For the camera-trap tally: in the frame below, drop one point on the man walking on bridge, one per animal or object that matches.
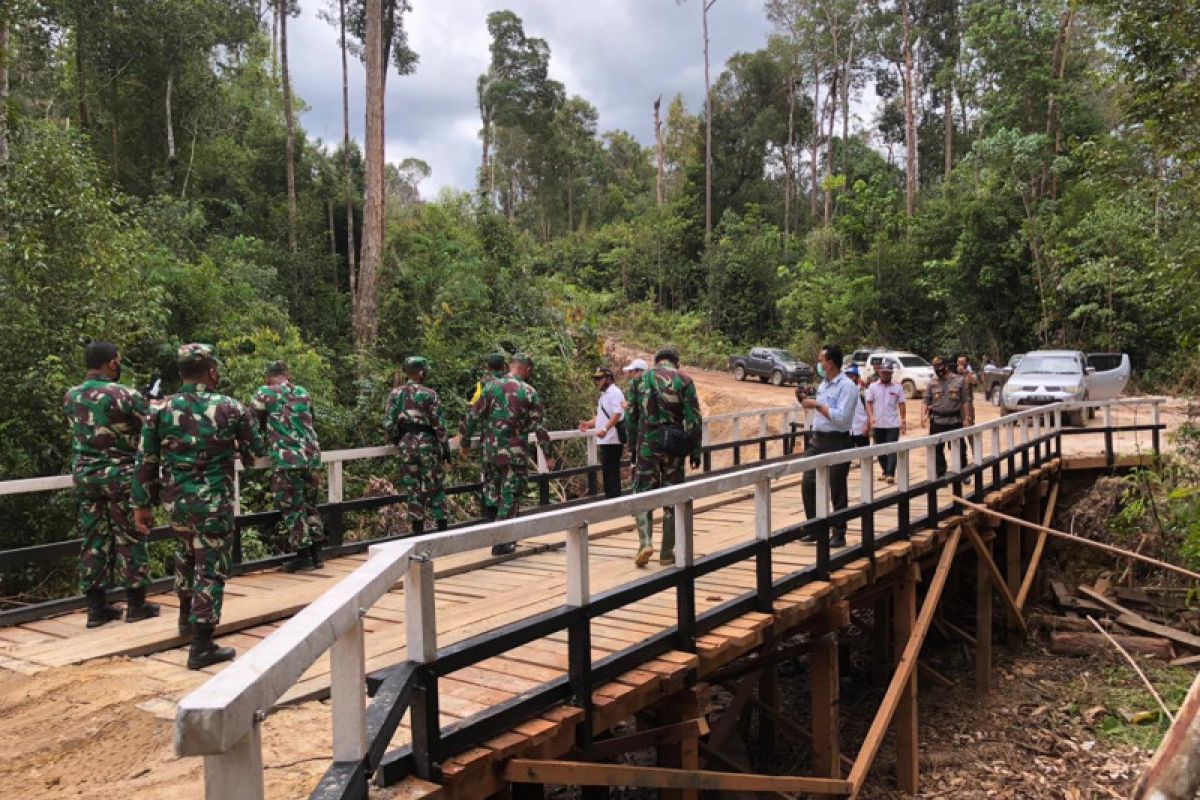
(495, 368)
(284, 412)
(415, 424)
(664, 428)
(186, 461)
(507, 411)
(106, 420)
(835, 404)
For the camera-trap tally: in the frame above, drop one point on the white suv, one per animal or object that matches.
(913, 372)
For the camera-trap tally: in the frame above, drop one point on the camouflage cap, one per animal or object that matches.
(414, 363)
(523, 358)
(667, 353)
(195, 353)
(496, 361)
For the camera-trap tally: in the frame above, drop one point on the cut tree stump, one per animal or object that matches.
(1086, 644)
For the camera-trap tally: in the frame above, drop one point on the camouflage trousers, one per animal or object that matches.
(203, 523)
(492, 480)
(511, 467)
(296, 497)
(113, 551)
(654, 471)
(422, 477)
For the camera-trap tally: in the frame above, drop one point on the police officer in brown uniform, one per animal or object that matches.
(947, 402)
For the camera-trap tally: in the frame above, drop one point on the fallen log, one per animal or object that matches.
(1141, 625)
(1071, 643)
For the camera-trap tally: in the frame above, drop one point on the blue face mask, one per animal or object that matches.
(820, 370)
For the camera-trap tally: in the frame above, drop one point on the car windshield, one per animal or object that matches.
(913, 361)
(784, 355)
(1048, 365)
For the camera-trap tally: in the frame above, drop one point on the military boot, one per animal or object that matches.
(99, 611)
(137, 609)
(185, 613)
(314, 552)
(301, 561)
(418, 527)
(205, 651)
(441, 525)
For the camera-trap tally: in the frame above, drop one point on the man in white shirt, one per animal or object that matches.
(834, 406)
(607, 424)
(889, 415)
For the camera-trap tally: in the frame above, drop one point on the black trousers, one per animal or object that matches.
(887, 436)
(818, 444)
(942, 427)
(610, 467)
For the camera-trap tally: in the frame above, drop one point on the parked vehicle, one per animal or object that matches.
(771, 364)
(1051, 376)
(912, 372)
(859, 358)
(992, 379)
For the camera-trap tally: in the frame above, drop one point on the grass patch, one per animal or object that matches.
(1124, 695)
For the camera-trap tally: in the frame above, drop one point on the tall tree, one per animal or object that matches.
(348, 181)
(285, 9)
(910, 117)
(658, 152)
(366, 310)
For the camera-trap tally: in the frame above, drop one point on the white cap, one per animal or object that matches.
(637, 363)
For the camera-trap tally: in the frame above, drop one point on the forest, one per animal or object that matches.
(1026, 177)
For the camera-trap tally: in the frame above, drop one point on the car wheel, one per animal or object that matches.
(777, 378)
(739, 373)
(995, 395)
(910, 389)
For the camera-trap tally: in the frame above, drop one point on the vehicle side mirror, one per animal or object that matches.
(1008, 370)
(1090, 370)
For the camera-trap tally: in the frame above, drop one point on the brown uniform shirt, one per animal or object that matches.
(945, 398)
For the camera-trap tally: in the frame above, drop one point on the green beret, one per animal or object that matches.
(195, 353)
(414, 363)
(523, 358)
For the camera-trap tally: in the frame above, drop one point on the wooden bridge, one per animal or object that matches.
(485, 673)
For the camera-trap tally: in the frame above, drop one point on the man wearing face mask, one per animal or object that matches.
(186, 460)
(835, 403)
(106, 420)
(946, 403)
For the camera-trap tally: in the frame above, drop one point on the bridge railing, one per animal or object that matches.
(726, 438)
(221, 719)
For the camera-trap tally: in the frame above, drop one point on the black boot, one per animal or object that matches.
(490, 513)
(302, 561)
(204, 650)
(185, 612)
(99, 611)
(838, 539)
(137, 609)
(441, 524)
(418, 527)
(314, 552)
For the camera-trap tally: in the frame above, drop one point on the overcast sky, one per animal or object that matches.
(617, 54)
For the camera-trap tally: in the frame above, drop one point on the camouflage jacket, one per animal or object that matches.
(663, 396)
(414, 408)
(106, 420)
(285, 413)
(506, 412)
(468, 420)
(193, 441)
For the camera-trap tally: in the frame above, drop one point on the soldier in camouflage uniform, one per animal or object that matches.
(284, 412)
(106, 419)
(415, 424)
(507, 411)
(186, 461)
(496, 368)
(663, 405)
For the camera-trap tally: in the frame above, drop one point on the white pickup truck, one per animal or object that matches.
(1052, 376)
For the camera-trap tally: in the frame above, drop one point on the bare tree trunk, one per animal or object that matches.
(789, 167)
(4, 92)
(291, 124)
(332, 237)
(708, 158)
(81, 73)
(348, 182)
(847, 76)
(1058, 66)
(274, 37)
(366, 323)
(832, 103)
(814, 145)
(170, 124)
(948, 135)
(658, 151)
(910, 126)
(483, 167)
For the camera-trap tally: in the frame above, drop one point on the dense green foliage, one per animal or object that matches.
(143, 199)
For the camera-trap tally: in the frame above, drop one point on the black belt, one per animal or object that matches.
(410, 427)
(940, 420)
(831, 434)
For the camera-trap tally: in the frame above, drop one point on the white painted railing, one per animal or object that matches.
(221, 719)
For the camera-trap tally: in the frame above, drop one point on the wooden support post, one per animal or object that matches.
(684, 754)
(823, 664)
(768, 694)
(1035, 561)
(881, 641)
(1012, 557)
(983, 621)
(904, 604)
(347, 694)
(985, 562)
(238, 772)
